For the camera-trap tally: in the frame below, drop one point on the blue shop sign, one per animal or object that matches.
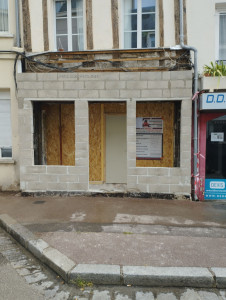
(215, 189)
(213, 101)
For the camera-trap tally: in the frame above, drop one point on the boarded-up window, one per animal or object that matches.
(54, 133)
(158, 141)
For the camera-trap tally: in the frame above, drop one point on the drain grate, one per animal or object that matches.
(39, 202)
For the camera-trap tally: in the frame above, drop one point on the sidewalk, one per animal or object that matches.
(124, 235)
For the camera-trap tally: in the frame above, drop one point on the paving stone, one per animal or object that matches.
(101, 295)
(223, 295)
(168, 296)
(208, 295)
(20, 263)
(35, 277)
(120, 296)
(62, 296)
(26, 271)
(51, 293)
(43, 285)
(144, 296)
(190, 295)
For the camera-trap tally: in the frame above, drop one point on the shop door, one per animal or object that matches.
(215, 177)
(116, 157)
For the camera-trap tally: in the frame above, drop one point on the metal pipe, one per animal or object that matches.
(18, 44)
(195, 116)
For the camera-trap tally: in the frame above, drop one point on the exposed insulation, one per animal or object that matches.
(164, 110)
(97, 136)
(68, 134)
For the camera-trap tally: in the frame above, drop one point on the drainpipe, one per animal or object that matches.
(17, 24)
(195, 116)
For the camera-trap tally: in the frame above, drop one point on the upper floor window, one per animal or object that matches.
(139, 23)
(69, 25)
(222, 37)
(4, 26)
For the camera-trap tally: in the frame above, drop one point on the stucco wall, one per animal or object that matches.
(9, 168)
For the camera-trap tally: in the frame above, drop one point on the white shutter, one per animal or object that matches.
(5, 120)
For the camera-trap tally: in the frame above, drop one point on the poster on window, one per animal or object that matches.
(149, 136)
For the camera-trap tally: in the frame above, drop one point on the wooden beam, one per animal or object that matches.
(115, 26)
(161, 24)
(111, 60)
(45, 25)
(89, 24)
(26, 26)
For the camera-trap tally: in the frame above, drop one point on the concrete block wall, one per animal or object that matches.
(107, 86)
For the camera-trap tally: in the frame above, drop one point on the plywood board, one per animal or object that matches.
(97, 112)
(115, 108)
(52, 133)
(95, 169)
(68, 134)
(164, 110)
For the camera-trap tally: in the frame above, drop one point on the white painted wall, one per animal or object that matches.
(9, 168)
(36, 26)
(102, 24)
(169, 24)
(202, 31)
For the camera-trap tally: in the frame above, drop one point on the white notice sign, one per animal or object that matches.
(217, 136)
(149, 146)
(149, 133)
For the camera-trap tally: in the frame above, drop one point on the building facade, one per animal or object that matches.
(104, 96)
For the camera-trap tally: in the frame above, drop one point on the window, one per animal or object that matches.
(139, 23)
(222, 37)
(5, 126)
(4, 27)
(69, 25)
(158, 134)
(54, 133)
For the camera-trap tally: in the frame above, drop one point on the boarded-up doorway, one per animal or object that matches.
(116, 149)
(99, 115)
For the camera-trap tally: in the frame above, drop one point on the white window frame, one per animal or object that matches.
(69, 26)
(220, 10)
(6, 32)
(4, 95)
(139, 25)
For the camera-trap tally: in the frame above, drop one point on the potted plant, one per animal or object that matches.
(214, 77)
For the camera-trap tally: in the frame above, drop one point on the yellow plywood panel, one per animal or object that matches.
(95, 165)
(51, 133)
(68, 134)
(164, 110)
(115, 108)
(97, 112)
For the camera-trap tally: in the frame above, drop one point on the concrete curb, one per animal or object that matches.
(113, 274)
